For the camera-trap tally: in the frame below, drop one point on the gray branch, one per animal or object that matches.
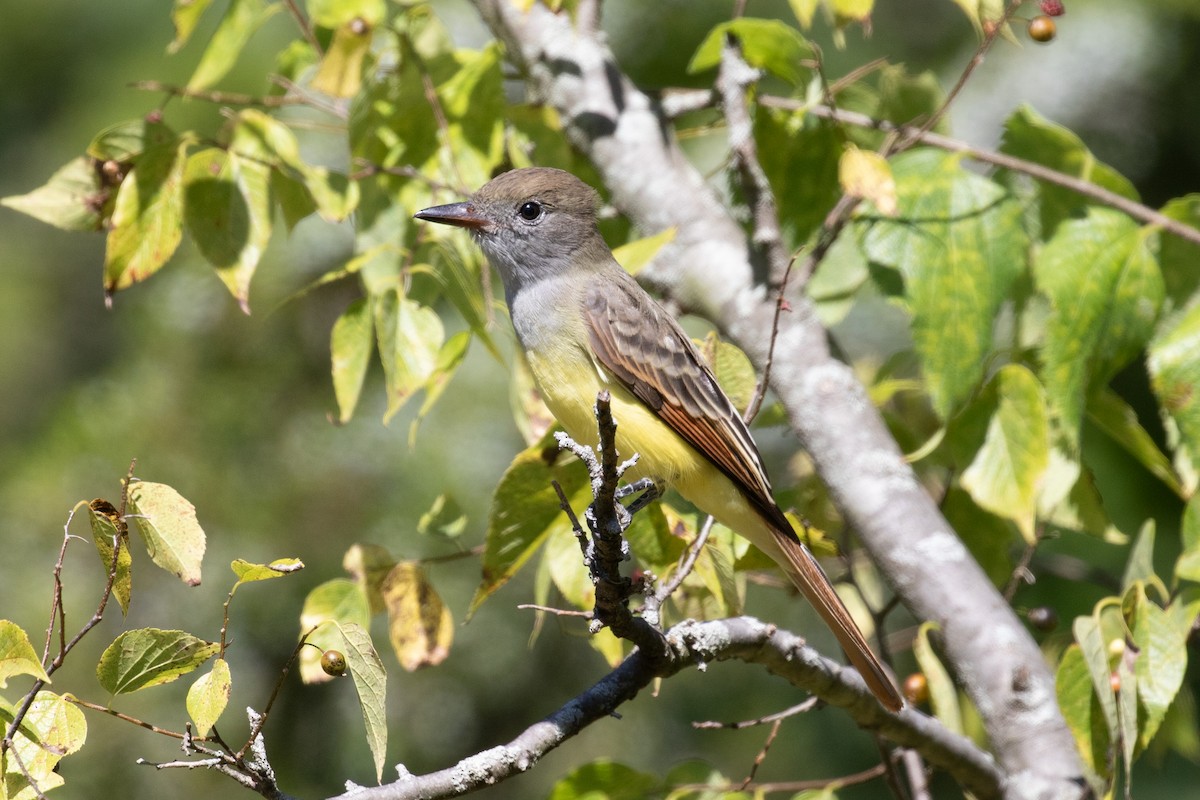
(708, 269)
(694, 644)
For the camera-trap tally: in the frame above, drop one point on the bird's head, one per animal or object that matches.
(531, 223)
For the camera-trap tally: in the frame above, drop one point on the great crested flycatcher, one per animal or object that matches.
(586, 325)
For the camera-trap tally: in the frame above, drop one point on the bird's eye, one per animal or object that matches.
(530, 210)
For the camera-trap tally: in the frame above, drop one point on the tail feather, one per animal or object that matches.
(810, 579)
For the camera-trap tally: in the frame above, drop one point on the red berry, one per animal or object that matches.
(1053, 8)
(1041, 29)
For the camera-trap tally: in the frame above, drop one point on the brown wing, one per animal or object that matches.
(646, 350)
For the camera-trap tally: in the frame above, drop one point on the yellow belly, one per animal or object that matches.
(569, 380)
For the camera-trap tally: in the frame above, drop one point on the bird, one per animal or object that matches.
(586, 325)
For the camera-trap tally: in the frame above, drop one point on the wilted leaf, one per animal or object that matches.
(17, 656)
(369, 564)
(70, 200)
(340, 600)
(60, 729)
(419, 623)
(147, 657)
(370, 681)
(104, 520)
(247, 572)
(168, 524)
(209, 695)
(867, 175)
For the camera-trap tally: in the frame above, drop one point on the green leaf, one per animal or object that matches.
(525, 510)
(640, 252)
(185, 16)
(987, 536)
(247, 572)
(1092, 647)
(1174, 364)
(1030, 136)
(1081, 709)
(1140, 566)
(419, 624)
(473, 99)
(1111, 414)
(1007, 471)
(943, 696)
(1105, 290)
(1177, 256)
(350, 345)
(444, 518)
(959, 244)
(228, 211)
(410, 336)
(1187, 568)
(657, 547)
(104, 518)
(340, 71)
(242, 18)
(1160, 665)
(61, 730)
(370, 681)
(732, 369)
(333, 14)
(147, 657)
(17, 656)
(208, 696)
(124, 141)
(449, 359)
(147, 218)
(167, 521)
(605, 780)
(340, 600)
(71, 200)
(766, 43)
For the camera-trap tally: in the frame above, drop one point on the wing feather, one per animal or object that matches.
(645, 349)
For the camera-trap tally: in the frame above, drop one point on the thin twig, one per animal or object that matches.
(799, 708)
(25, 772)
(219, 97)
(854, 779)
(1109, 198)
(305, 27)
(256, 729)
(125, 717)
(761, 756)
(558, 612)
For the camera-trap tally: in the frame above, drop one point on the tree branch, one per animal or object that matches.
(696, 644)
(708, 270)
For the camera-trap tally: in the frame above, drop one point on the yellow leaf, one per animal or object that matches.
(419, 623)
(867, 175)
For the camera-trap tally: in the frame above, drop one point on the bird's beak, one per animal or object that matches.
(461, 215)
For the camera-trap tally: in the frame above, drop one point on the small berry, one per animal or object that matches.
(333, 663)
(1114, 680)
(1041, 29)
(916, 689)
(1053, 8)
(1043, 618)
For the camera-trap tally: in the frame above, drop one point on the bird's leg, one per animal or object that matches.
(650, 490)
